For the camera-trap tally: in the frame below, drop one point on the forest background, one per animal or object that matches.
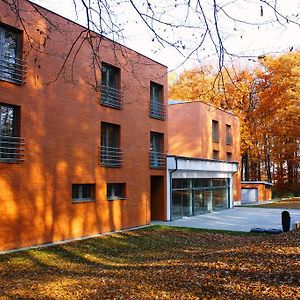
(267, 101)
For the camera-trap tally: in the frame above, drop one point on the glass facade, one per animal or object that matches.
(199, 196)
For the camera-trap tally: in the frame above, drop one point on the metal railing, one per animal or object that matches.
(12, 69)
(157, 160)
(157, 110)
(111, 157)
(111, 97)
(11, 149)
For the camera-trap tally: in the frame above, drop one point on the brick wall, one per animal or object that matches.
(61, 124)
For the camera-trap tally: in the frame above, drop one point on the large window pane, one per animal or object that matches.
(220, 198)
(201, 182)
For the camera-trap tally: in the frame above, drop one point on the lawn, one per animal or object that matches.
(158, 263)
(286, 203)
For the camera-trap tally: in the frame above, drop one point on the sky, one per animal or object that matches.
(248, 29)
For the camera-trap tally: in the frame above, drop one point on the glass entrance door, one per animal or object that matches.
(199, 203)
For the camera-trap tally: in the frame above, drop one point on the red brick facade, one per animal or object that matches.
(190, 135)
(61, 124)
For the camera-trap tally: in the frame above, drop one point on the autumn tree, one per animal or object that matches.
(192, 29)
(267, 101)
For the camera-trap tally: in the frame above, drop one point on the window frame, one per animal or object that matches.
(18, 69)
(111, 154)
(111, 95)
(80, 198)
(157, 108)
(217, 152)
(112, 186)
(11, 145)
(228, 134)
(157, 154)
(229, 156)
(215, 131)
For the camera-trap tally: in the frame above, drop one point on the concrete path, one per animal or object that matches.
(236, 219)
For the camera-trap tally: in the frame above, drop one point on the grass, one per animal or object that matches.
(291, 203)
(158, 262)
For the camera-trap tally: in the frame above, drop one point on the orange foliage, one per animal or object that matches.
(267, 101)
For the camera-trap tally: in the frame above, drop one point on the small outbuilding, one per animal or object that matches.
(256, 191)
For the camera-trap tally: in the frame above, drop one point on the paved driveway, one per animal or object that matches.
(236, 219)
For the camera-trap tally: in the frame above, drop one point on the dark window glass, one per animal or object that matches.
(215, 154)
(229, 156)
(110, 86)
(110, 135)
(228, 135)
(201, 182)
(10, 142)
(75, 191)
(220, 182)
(83, 192)
(11, 68)
(181, 183)
(157, 109)
(8, 120)
(116, 191)
(156, 141)
(157, 157)
(111, 154)
(215, 131)
(110, 76)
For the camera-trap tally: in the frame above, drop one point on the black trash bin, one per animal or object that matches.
(286, 221)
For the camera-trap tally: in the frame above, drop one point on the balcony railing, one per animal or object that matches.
(157, 110)
(111, 97)
(157, 160)
(12, 69)
(111, 157)
(11, 149)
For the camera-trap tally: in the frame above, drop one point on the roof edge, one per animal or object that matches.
(55, 13)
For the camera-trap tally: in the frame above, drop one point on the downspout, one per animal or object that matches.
(171, 172)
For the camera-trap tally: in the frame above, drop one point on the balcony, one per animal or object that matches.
(111, 157)
(12, 69)
(157, 110)
(111, 97)
(11, 149)
(157, 160)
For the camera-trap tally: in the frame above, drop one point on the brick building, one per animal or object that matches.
(76, 159)
(203, 159)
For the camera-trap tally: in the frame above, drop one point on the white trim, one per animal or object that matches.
(198, 168)
(257, 182)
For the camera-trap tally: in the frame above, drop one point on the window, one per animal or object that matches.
(229, 156)
(111, 154)
(10, 141)
(116, 191)
(12, 68)
(215, 131)
(216, 154)
(228, 135)
(110, 86)
(83, 192)
(157, 109)
(157, 157)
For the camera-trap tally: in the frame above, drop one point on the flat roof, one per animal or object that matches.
(202, 159)
(179, 101)
(35, 4)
